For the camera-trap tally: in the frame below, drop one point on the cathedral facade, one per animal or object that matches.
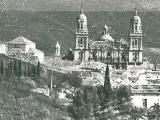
(105, 48)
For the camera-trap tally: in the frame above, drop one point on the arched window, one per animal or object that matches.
(81, 25)
(136, 42)
(133, 43)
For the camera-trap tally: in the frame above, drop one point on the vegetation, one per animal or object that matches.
(99, 103)
(107, 85)
(154, 58)
(18, 102)
(18, 68)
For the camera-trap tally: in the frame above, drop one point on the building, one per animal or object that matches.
(36, 53)
(23, 48)
(82, 45)
(21, 43)
(135, 40)
(105, 48)
(3, 48)
(145, 96)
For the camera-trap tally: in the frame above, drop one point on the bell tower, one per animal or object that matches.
(135, 40)
(81, 36)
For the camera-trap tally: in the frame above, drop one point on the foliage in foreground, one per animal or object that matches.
(89, 104)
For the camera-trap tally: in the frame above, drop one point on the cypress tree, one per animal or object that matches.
(19, 68)
(11, 66)
(15, 67)
(28, 70)
(107, 85)
(33, 70)
(25, 69)
(38, 69)
(2, 68)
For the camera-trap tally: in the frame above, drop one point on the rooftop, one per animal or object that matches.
(146, 89)
(21, 40)
(33, 50)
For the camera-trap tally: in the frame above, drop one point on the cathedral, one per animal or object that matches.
(118, 53)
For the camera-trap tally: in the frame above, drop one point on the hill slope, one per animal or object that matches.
(45, 28)
(19, 103)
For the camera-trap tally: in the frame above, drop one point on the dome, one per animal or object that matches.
(106, 37)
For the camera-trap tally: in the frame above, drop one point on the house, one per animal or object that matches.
(22, 43)
(145, 96)
(37, 53)
(23, 48)
(3, 49)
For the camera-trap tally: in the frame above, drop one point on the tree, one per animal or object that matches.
(69, 56)
(136, 113)
(74, 80)
(85, 104)
(123, 94)
(29, 69)
(33, 70)
(38, 69)
(153, 113)
(19, 68)
(107, 85)
(15, 67)
(153, 57)
(2, 68)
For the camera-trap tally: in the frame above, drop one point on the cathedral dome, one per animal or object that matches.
(105, 35)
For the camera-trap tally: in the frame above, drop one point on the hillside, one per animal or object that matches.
(19, 103)
(45, 28)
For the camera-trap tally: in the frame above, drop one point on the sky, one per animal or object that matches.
(74, 5)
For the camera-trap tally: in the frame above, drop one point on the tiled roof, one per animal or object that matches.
(21, 40)
(147, 89)
(33, 50)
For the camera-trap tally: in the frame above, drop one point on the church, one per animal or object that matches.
(118, 53)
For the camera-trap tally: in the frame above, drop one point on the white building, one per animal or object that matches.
(21, 43)
(145, 96)
(37, 53)
(107, 49)
(3, 48)
(27, 48)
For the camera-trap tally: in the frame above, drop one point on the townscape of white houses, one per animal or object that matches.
(125, 59)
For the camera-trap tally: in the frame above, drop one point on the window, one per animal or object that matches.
(136, 28)
(135, 43)
(135, 57)
(81, 25)
(144, 103)
(80, 40)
